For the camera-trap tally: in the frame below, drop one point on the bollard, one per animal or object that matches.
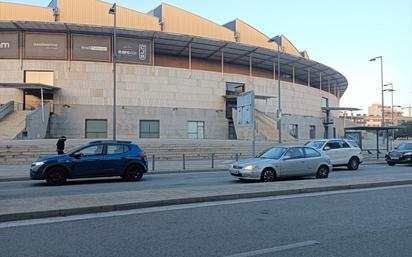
(153, 162)
(213, 160)
(184, 162)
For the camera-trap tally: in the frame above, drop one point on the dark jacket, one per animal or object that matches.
(60, 144)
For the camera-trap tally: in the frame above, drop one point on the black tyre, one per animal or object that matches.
(56, 176)
(133, 173)
(353, 163)
(391, 163)
(323, 172)
(268, 175)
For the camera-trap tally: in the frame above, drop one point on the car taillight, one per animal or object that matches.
(143, 156)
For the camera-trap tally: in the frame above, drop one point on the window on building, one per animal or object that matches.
(96, 128)
(195, 129)
(149, 129)
(234, 88)
(325, 102)
(312, 132)
(293, 130)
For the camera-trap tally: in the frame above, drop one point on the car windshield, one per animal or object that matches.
(315, 144)
(273, 153)
(405, 146)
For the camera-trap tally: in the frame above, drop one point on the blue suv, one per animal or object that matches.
(97, 159)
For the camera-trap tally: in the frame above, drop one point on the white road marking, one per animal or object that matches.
(275, 249)
(30, 222)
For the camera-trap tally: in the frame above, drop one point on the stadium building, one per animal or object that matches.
(178, 75)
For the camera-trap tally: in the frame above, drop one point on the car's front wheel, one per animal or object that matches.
(323, 172)
(56, 176)
(133, 173)
(391, 163)
(268, 175)
(353, 163)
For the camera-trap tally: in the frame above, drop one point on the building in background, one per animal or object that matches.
(178, 75)
(374, 116)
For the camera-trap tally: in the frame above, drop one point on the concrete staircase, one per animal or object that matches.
(12, 124)
(25, 151)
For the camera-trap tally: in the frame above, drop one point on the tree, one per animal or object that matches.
(406, 131)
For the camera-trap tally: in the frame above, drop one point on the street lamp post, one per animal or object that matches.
(390, 90)
(113, 11)
(383, 106)
(278, 40)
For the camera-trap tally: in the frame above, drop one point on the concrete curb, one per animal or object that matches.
(159, 203)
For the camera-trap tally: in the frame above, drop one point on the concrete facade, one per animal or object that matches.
(171, 95)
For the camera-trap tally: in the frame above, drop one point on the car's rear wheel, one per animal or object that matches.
(353, 163)
(391, 163)
(56, 176)
(133, 173)
(323, 172)
(268, 175)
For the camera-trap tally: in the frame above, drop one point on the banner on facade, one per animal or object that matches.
(131, 50)
(91, 48)
(51, 46)
(9, 45)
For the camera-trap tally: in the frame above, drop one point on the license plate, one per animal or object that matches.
(235, 171)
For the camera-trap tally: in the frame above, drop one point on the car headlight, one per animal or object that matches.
(37, 163)
(407, 154)
(249, 167)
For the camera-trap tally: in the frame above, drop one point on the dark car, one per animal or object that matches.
(401, 154)
(96, 159)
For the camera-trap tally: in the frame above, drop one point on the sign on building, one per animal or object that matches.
(131, 50)
(246, 109)
(91, 48)
(9, 48)
(52, 46)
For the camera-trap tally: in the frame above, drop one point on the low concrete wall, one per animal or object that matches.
(36, 123)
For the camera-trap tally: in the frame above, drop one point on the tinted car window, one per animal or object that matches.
(333, 144)
(92, 150)
(295, 152)
(117, 149)
(311, 152)
(344, 144)
(405, 146)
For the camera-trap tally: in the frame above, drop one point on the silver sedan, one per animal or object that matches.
(285, 161)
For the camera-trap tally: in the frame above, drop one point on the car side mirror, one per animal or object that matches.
(395, 147)
(326, 148)
(77, 155)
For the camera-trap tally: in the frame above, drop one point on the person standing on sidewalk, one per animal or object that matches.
(60, 145)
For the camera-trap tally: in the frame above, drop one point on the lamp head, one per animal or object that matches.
(112, 10)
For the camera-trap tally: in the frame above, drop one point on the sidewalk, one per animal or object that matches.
(21, 172)
(30, 208)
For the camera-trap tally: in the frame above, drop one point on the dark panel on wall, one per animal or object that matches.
(45, 46)
(91, 48)
(134, 50)
(9, 45)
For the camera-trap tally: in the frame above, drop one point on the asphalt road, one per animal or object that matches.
(373, 222)
(33, 189)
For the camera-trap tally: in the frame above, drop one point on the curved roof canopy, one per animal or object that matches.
(208, 49)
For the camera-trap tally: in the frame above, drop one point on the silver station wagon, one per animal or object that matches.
(285, 161)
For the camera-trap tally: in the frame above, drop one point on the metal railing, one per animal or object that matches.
(6, 109)
(194, 162)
